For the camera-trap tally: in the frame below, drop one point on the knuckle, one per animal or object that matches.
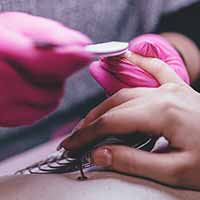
(125, 161)
(178, 174)
(155, 61)
(168, 103)
(169, 107)
(173, 87)
(158, 65)
(102, 122)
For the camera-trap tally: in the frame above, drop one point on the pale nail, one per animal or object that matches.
(102, 157)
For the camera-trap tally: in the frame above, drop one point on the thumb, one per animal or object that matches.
(165, 168)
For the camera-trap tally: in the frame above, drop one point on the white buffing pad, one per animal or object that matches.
(108, 49)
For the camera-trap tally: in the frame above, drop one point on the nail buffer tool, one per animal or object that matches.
(107, 49)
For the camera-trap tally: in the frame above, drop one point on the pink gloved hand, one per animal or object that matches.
(32, 78)
(116, 73)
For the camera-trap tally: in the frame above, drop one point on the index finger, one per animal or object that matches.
(156, 67)
(118, 122)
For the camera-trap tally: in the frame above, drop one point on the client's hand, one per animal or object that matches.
(32, 72)
(171, 110)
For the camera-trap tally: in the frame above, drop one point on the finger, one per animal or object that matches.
(117, 99)
(129, 104)
(156, 67)
(118, 122)
(164, 168)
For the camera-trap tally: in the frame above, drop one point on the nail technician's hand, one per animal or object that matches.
(116, 73)
(32, 78)
(171, 110)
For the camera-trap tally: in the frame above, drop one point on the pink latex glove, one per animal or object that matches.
(116, 73)
(32, 79)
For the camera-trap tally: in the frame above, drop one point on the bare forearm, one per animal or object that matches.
(189, 51)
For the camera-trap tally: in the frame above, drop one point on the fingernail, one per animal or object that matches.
(77, 127)
(102, 157)
(64, 144)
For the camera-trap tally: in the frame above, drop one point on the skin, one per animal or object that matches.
(170, 110)
(98, 186)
